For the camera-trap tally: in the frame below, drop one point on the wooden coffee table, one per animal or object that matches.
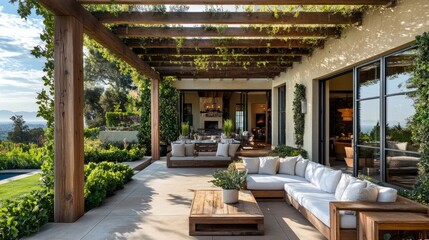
(209, 216)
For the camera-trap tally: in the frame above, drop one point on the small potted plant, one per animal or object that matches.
(196, 135)
(228, 128)
(185, 130)
(230, 180)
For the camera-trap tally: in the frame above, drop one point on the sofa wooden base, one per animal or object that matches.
(197, 163)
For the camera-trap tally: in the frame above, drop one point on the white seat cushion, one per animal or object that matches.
(299, 191)
(270, 182)
(268, 165)
(251, 164)
(319, 207)
(287, 165)
(222, 150)
(209, 158)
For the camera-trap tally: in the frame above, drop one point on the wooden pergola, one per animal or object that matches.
(137, 38)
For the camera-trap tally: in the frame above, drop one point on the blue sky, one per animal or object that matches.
(20, 72)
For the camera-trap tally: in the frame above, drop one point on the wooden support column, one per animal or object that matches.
(69, 177)
(155, 119)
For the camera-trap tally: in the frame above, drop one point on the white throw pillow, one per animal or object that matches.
(232, 149)
(300, 166)
(189, 150)
(369, 194)
(329, 180)
(222, 150)
(316, 179)
(178, 149)
(268, 165)
(386, 194)
(342, 185)
(251, 164)
(287, 165)
(353, 190)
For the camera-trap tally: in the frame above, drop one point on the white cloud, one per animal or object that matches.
(20, 72)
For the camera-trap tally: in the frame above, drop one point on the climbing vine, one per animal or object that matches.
(298, 116)
(420, 120)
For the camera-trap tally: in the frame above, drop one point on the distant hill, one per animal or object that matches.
(29, 117)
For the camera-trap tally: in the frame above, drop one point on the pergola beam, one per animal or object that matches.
(95, 30)
(221, 75)
(295, 32)
(277, 59)
(221, 68)
(242, 2)
(317, 18)
(222, 43)
(213, 51)
(222, 64)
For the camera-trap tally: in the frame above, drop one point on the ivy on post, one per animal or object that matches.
(420, 120)
(298, 116)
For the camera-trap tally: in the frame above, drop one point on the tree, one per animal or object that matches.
(21, 132)
(93, 111)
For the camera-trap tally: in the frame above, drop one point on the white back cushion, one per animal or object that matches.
(316, 178)
(309, 171)
(386, 194)
(268, 165)
(178, 149)
(329, 180)
(300, 166)
(189, 149)
(353, 190)
(287, 165)
(232, 149)
(342, 185)
(251, 164)
(222, 150)
(369, 194)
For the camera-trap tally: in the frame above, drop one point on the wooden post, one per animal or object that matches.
(155, 119)
(69, 177)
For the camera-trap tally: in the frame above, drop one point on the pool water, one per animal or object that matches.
(8, 175)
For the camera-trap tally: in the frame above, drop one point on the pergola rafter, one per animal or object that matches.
(222, 43)
(295, 32)
(316, 18)
(214, 58)
(212, 51)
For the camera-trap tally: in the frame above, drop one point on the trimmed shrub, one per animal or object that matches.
(91, 133)
(122, 119)
(284, 151)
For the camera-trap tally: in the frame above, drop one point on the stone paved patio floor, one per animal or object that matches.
(156, 205)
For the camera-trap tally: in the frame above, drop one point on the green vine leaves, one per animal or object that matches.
(298, 116)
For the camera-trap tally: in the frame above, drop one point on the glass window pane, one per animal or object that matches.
(369, 122)
(369, 162)
(369, 81)
(401, 168)
(399, 69)
(399, 111)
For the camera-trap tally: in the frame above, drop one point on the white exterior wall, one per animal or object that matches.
(382, 31)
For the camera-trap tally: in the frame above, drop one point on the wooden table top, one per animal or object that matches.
(208, 203)
(396, 217)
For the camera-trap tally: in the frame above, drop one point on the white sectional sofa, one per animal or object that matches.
(326, 197)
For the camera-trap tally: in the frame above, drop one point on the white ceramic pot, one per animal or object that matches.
(229, 195)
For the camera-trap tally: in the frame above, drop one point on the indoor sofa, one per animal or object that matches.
(329, 199)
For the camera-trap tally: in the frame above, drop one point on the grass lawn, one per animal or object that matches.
(17, 188)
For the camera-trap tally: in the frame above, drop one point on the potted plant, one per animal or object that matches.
(230, 180)
(228, 128)
(185, 130)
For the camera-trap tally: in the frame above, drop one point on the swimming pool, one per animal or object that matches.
(8, 175)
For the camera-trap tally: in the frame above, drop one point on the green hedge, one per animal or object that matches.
(20, 156)
(284, 151)
(121, 119)
(91, 133)
(113, 155)
(25, 215)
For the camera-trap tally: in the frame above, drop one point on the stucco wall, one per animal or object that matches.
(382, 31)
